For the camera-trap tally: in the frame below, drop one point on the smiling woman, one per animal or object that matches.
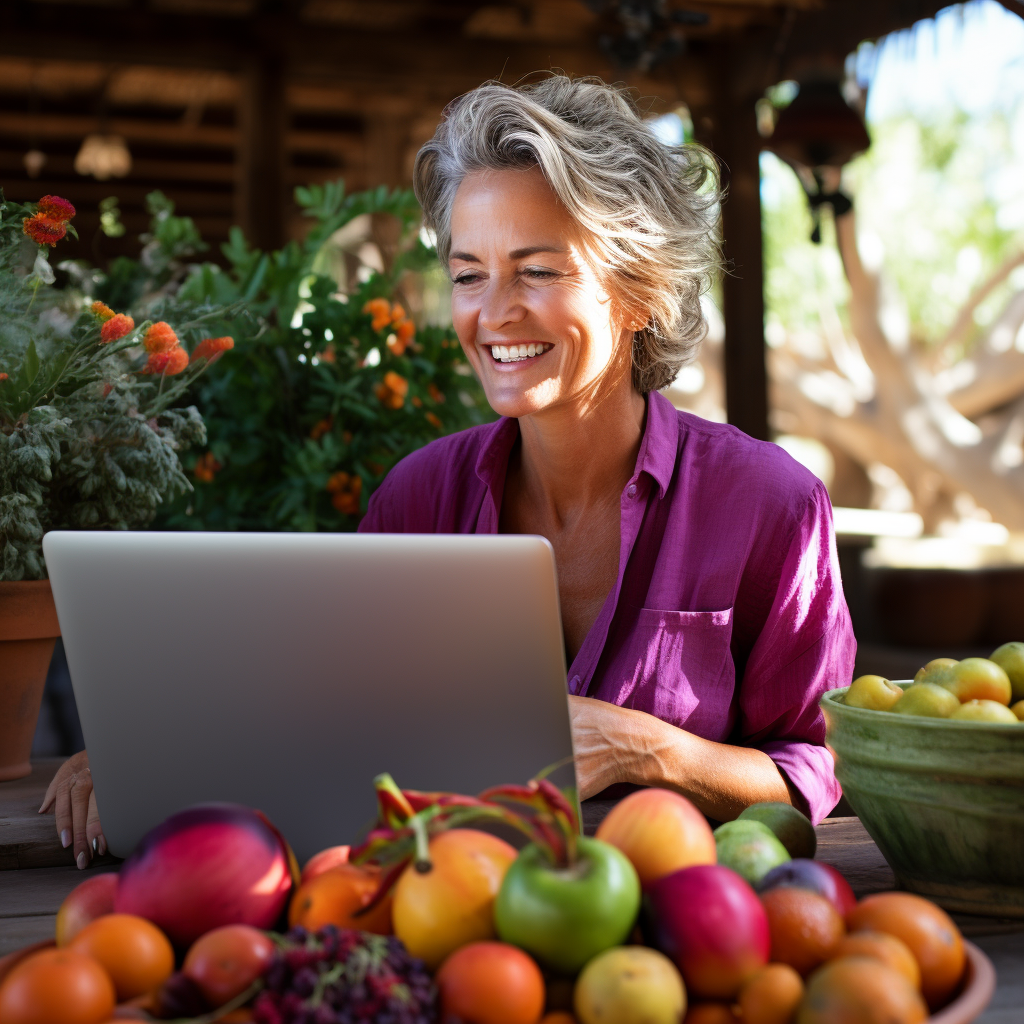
(698, 579)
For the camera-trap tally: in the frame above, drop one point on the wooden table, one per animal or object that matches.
(36, 874)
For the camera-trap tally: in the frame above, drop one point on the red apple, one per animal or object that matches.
(324, 861)
(90, 899)
(711, 924)
(660, 832)
(801, 873)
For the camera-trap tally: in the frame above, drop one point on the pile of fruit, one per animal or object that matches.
(655, 920)
(973, 690)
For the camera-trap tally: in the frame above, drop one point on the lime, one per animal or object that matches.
(750, 848)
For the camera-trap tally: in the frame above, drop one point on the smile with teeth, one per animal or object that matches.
(517, 353)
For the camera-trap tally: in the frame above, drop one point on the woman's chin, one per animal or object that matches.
(517, 402)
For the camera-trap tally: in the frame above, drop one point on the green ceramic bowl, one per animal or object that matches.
(943, 800)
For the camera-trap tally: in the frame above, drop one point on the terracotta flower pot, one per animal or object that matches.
(28, 631)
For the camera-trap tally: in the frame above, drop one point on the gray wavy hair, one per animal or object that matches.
(650, 209)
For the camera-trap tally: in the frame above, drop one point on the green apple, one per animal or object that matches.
(1010, 658)
(565, 916)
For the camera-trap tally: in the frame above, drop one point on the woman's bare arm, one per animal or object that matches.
(616, 744)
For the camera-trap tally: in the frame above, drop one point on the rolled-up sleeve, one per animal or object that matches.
(805, 648)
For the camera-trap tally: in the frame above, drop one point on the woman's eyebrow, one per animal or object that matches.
(515, 254)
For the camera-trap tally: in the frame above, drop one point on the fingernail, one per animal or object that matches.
(83, 860)
(95, 845)
(103, 845)
(65, 838)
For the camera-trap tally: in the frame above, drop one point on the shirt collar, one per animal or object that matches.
(657, 455)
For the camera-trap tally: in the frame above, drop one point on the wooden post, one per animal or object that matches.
(735, 140)
(261, 157)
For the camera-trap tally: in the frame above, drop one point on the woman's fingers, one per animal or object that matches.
(81, 791)
(63, 813)
(93, 829)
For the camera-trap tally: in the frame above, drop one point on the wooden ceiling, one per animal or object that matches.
(354, 86)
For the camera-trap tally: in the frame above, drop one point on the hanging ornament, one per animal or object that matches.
(103, 156)
(817, 134)
(646, 32)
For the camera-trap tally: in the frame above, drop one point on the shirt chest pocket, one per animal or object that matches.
(679, 667)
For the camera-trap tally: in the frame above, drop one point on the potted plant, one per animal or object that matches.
(89, 437)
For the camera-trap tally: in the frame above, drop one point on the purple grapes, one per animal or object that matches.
(336, 976)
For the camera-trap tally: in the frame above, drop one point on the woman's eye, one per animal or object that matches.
(540, 274)
(466, 279)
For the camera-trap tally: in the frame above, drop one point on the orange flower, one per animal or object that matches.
(435, 393)
(42, 230)
(396, 383)
(4, 376)
(212, 348)
(397, 313)
(55, 208)
(322, 427)
(102, 311)
(433, 419)
(381, 311)
(116, 327)
(160, 338)
(168, 362)
(345, 490)
(206, 468)
(416, 401)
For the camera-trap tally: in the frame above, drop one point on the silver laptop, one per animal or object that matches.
(285, 671)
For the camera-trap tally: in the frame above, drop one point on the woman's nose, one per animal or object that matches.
(500, 306)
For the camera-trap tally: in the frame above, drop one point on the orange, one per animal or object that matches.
(491, 983)
(771, 996)
(57, 985)
(805, 927)
(227, 960)
(452, 904)
(135, 953)
(558, 1017)
(860, 990)
(335, 895)
(711, 1013)
(887, 948)
(928, 932)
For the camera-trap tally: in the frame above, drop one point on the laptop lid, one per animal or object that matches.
(285, 671)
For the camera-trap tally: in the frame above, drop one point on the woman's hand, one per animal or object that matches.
(609, 743)
(71, 796)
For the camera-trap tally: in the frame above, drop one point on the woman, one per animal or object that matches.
(698, 579)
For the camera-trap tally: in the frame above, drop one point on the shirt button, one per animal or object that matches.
(631, 490)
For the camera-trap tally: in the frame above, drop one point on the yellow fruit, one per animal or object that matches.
(979, 679)
(630, 985)
(984, 711)
(1018, 709)
(938, 670)
(452, 904)
(927, 700)
(1010, 658)
(873, 693)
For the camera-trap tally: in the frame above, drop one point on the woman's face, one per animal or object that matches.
(533, 318)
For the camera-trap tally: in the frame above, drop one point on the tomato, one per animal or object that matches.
(226, 961)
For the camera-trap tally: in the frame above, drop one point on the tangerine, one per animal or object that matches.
(336, 895)
(891, 951)
(226, 961)
(452, 904)
(928, 932)
(711, 1013)
(558, 1017)
(491, 983)
(133, 951)
(805, 928)
(860, 990)
(771, 996)
(57, 985)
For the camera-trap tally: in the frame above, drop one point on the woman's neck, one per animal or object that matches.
(582, 452)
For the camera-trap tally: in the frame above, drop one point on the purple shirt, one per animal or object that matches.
(727, 618)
